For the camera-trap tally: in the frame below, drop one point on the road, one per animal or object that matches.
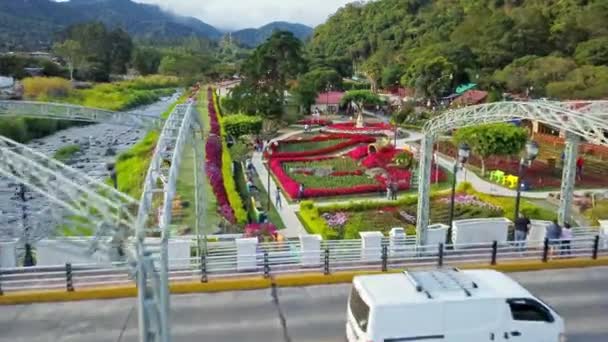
(305, 314)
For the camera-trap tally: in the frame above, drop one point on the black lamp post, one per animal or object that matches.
(463, 155)
(531, 154)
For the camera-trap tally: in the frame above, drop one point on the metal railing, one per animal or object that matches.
(223, 261)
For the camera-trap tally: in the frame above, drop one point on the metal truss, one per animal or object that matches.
(155, 210)
(109, 212)
(60, 111)
(588, 121)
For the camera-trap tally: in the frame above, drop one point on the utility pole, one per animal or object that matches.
(28, 259)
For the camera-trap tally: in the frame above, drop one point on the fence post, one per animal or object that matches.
(1, 292)
(384, 258)
(494, 252)
(596, 246)
(266, 265)
(203, 268)
(440, 257)
(68, 277)
(326, 264)
(546, 250)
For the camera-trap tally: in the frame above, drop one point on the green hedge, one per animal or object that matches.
(240, 124)
(229, 184)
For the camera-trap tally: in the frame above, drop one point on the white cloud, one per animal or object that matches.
(238, 14)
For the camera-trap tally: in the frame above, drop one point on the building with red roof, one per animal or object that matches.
(328, 102)
(471, 97)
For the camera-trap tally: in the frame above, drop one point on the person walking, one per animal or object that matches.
(394, 189)
(554, 233)
(522, 228)
(300, 192)
(277, 199)
(566, 238)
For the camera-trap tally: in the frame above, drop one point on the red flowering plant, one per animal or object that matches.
(312, 121)
(262, 231)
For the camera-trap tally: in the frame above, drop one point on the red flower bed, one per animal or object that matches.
(359, 152)
(213, 167)
(314, 121)
(350, 126)
(381, 158)
(352, 141)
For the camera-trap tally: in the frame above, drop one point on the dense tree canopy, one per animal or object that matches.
(266, 74)
(495, 43)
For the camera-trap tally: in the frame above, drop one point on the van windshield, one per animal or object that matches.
(359, 309)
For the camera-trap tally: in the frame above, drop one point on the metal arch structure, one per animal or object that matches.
(589, 125)
(60, 111)
(155, 206)
(108, 211)
(591, 107)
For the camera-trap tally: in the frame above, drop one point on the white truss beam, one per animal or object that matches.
(155, 210)
(104, 208)
(60, 111)
(582, 119)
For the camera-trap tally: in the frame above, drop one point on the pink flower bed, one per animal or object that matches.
(381, 158)
(353, 140)
(261, 230)
(359, 152)
(213, 167)
(350, 126)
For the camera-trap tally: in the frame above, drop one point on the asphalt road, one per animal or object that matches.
(304, 314)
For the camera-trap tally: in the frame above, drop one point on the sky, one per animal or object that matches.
(239, 14)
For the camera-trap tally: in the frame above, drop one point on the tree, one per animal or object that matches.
(501, 139)
(586, 82)
(73, 54)
(391, 75)
(431, 77)
(594, 51)
(310, 84)
(266, 74)
(121, 49)
(146, 60)
(361, 98)
(534, 71)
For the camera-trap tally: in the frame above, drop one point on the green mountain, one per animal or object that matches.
(556, 48)
(31, 24)
(252, 37)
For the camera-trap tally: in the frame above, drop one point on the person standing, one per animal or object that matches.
(566, 238)
(554, 233)
(394, 189)
(522, 228)
(277, 199)
(579, 168)
(300, 192)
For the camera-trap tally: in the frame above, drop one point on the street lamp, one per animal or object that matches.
(531, 154)
(269, 151)
(464, 151)
(328, 88)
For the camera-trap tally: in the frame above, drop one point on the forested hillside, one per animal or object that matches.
(556, 48)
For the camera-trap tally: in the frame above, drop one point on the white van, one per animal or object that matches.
(448, 306)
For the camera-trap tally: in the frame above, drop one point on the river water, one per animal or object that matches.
(99, 143)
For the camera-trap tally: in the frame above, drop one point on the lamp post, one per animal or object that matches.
(327, 90)
(269, 151)
(531, 154)
(463, 155)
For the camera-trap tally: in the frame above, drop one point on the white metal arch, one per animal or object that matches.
(590, 125)
(109, 212)
(61, 111)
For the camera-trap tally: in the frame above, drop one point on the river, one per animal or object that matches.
(95, 141)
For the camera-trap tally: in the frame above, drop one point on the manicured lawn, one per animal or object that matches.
(308, 145)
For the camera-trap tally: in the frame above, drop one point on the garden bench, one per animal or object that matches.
(497, 176)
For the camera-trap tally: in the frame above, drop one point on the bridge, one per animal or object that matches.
(142, 227)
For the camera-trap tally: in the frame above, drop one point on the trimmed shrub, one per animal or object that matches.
(36, 87)
(240, 124)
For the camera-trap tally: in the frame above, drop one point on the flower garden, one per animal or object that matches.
(338, 164)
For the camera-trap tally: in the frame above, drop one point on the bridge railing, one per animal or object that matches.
(289, 257)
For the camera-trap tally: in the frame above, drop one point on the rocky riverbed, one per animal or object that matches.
(99, 145)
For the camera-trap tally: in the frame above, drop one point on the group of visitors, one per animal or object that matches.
(391, 190)
(559, 237)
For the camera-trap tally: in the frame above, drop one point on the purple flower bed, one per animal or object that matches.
(335, 220)
(469, 200)
(213, 155)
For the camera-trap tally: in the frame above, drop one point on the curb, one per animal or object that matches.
(254, 283)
